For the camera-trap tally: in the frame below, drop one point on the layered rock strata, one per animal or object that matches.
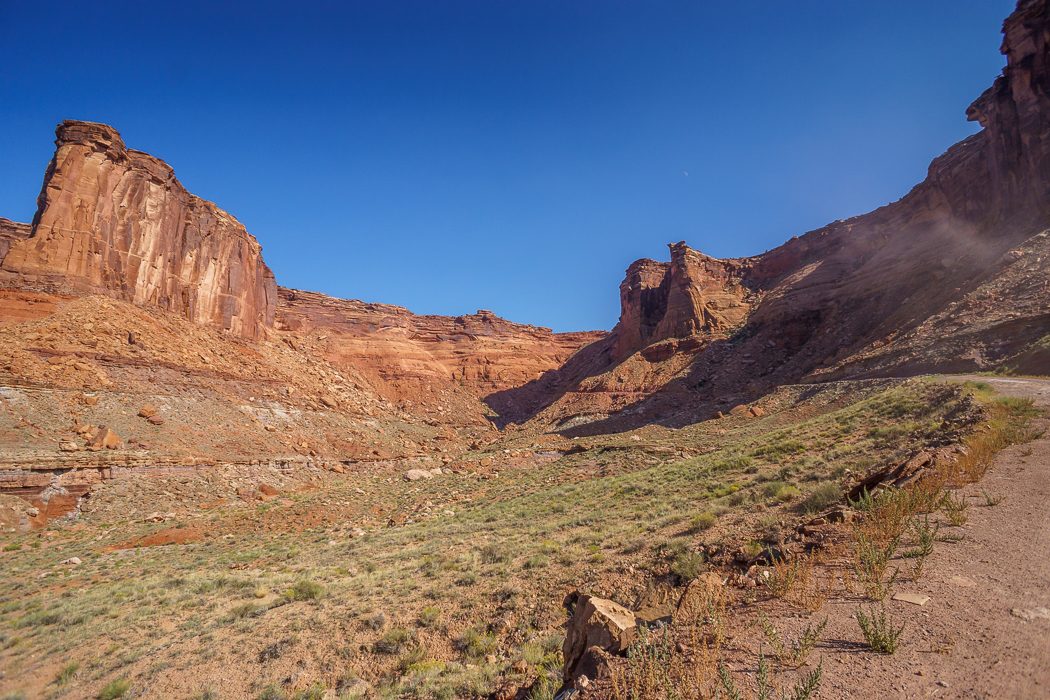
(116, 221)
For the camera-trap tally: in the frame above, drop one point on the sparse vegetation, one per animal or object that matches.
(408, 590)
(114, 689)
(879, 631)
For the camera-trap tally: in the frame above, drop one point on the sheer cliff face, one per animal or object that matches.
(116, 221)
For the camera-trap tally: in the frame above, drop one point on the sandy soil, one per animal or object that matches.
(985, 632)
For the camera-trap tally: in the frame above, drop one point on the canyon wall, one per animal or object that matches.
(116, 221)
(418, 358)
(955, 276)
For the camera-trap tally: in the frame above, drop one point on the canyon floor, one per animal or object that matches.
(369, 584)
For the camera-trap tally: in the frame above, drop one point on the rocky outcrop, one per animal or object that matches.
(598, 628)
(10, 233)
(417, 358)
(693, 294)
(116, 221)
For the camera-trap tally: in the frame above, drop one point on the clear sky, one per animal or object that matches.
(449, 155)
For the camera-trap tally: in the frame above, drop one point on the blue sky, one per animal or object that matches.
(515, 156)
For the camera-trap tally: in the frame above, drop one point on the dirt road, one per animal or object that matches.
(985, 632)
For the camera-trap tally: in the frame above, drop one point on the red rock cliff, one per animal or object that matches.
(955, 276)
(419, 357)
(116, 221)
(693, 294)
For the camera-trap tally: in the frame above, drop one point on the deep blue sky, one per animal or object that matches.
(451, 155)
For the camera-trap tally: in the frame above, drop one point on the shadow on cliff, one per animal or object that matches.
(525, 402)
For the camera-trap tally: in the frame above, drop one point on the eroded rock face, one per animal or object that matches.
(692, 294)
(597, 626)
(953, 277)
(410, 357)
(116, 221)
(10, 233)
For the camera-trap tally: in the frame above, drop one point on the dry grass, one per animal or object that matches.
(487, 579)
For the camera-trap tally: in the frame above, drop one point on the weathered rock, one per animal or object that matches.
(117, 221)
(105, 439)
(418, 474)
(595, 623)
(691, 294)
(10, 233)
(148, 411)
(414, 357)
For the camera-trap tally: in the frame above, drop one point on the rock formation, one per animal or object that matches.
(953, 277)
(693, 294)
(10, 233)
(116, 221)
(420, 358)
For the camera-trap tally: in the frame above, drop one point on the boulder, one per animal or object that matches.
(417, 474)
(598, 626)
(105, 439)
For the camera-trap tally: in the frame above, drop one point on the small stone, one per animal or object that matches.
(417, 474)
(69, 447)
(913, 598)
(72, 561)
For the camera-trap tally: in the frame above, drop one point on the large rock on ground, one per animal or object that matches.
(597, 627)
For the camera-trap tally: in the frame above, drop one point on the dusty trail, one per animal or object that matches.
(985, 633)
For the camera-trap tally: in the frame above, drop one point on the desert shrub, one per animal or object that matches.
(873, 555)
(68, 672)
(271, 692)
(825, 495)
(794, 651)
(476, 643)
(787, 573)
(494, 554)
(687, 565)
(925, 536)
(114, 689)
(702, 521)
(392, 641)
(304, 590)
(955, 509)
(879, 631)
(429, 616)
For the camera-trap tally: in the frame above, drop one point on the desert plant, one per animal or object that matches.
(68, 672)
(792, 652)
(304, 589)
(702, 521)
(787, 573)
(990, 500)
(879, 631)
(687, 565)
(392, 641)
(955, 509)
(872, 561)
(429, 616)
(114, 689)
(825, 495)
(476, 643)
(925, 536)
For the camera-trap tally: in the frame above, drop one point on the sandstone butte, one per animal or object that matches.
(117, 221)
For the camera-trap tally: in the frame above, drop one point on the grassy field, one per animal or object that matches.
(441, 588)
